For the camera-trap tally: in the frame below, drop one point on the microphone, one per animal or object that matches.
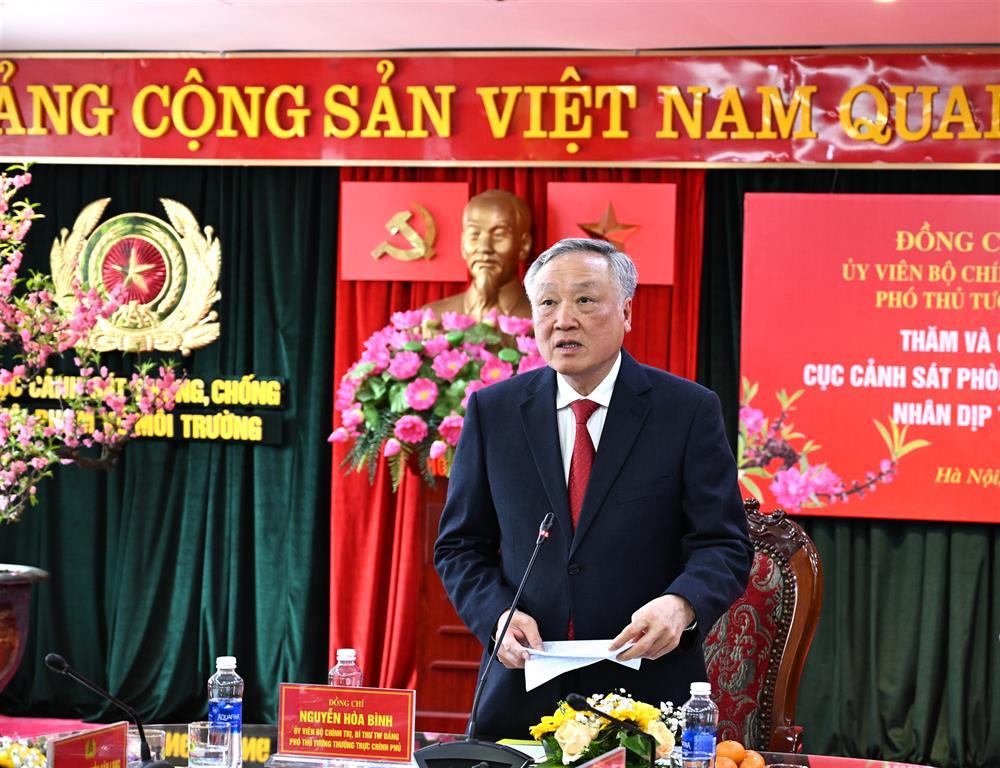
(470, 752)
(580, 704)
(57, 663)
(543, 534)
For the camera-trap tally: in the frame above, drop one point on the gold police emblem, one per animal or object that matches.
(166, 275)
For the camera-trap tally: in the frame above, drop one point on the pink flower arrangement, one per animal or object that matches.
(98, 411)
(405, 320)
(438, 449)
(527, 345)
(449, 363)
(772, 449)
(530, 363)
(472, 386)
(454, 321)
(421, 395)
(410, 429)
(514, 326)
(450, 428)
(353, 416)
(405, 365)
(494, 370)
(407, 395)
(435, 345)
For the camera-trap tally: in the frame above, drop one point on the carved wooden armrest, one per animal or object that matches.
(786, 738)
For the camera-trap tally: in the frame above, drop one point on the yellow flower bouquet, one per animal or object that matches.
(21, 753)
(569, 736)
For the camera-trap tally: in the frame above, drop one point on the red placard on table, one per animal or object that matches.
(638, 219)
(613, 759)
(830, 761)
(100, 748)
(326, 721)
(402, 230)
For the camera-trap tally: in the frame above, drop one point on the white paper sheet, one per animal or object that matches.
(557, 657)
(535, 751)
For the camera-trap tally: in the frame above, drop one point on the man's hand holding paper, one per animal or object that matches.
(522, 635)
(556, 658)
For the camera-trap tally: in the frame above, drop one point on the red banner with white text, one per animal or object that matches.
(501, 109)
(870, 345)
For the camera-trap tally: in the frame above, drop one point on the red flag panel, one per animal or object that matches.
(639, 219)
(402, 231)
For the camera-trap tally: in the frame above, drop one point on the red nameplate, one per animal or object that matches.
(101, 748)
(325, 721)
(613, 759)
(825, 761)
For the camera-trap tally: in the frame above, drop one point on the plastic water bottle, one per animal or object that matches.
(225, 704)
(347, 673)
(701, 718)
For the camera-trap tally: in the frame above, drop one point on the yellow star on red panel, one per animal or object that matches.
(132, 272)
(610, 229)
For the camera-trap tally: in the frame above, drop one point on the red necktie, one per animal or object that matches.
(579, 467)
(583, 457)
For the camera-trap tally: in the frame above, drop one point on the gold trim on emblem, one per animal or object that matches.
(184, 268)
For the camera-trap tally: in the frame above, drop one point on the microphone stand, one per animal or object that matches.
(57, 663)
(471, 752)
(580, 704)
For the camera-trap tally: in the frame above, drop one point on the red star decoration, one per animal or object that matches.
(610, 229)
(135, 267)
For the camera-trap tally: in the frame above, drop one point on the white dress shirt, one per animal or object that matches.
(566, 395)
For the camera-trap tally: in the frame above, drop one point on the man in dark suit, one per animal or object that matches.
(650, 542)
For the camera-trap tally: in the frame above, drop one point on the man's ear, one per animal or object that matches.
(525, 246)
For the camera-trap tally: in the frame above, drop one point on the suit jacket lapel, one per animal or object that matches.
(538, 416)
(626, 415)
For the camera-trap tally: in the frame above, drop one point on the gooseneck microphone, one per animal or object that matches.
(580, 704)
(543, 534)
(470, 752)
(57, 663)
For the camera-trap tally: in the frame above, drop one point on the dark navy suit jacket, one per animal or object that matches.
(662, 514)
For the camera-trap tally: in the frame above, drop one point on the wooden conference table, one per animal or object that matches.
(770, 758)
(29, 727)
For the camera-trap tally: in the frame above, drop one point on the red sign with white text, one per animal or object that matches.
(639, 219)
(326, 721)
(613, 759)
(919, 108)
(402, 230)
(830, 761)
(870, 350)
(100, 748)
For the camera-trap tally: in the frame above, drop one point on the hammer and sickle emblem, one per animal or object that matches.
(399, 224)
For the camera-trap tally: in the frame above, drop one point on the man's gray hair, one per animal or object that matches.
(622, 268)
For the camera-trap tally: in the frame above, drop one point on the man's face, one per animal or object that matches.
(491, 243)
(580, 318)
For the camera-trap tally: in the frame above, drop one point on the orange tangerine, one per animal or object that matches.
(724, 762)
(731, 749)
(752, 760)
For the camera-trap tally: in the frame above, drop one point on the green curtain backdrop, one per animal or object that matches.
(906, 660)
(186, 551)
(190, 550)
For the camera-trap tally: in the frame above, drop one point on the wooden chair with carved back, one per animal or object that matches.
(755, 653)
